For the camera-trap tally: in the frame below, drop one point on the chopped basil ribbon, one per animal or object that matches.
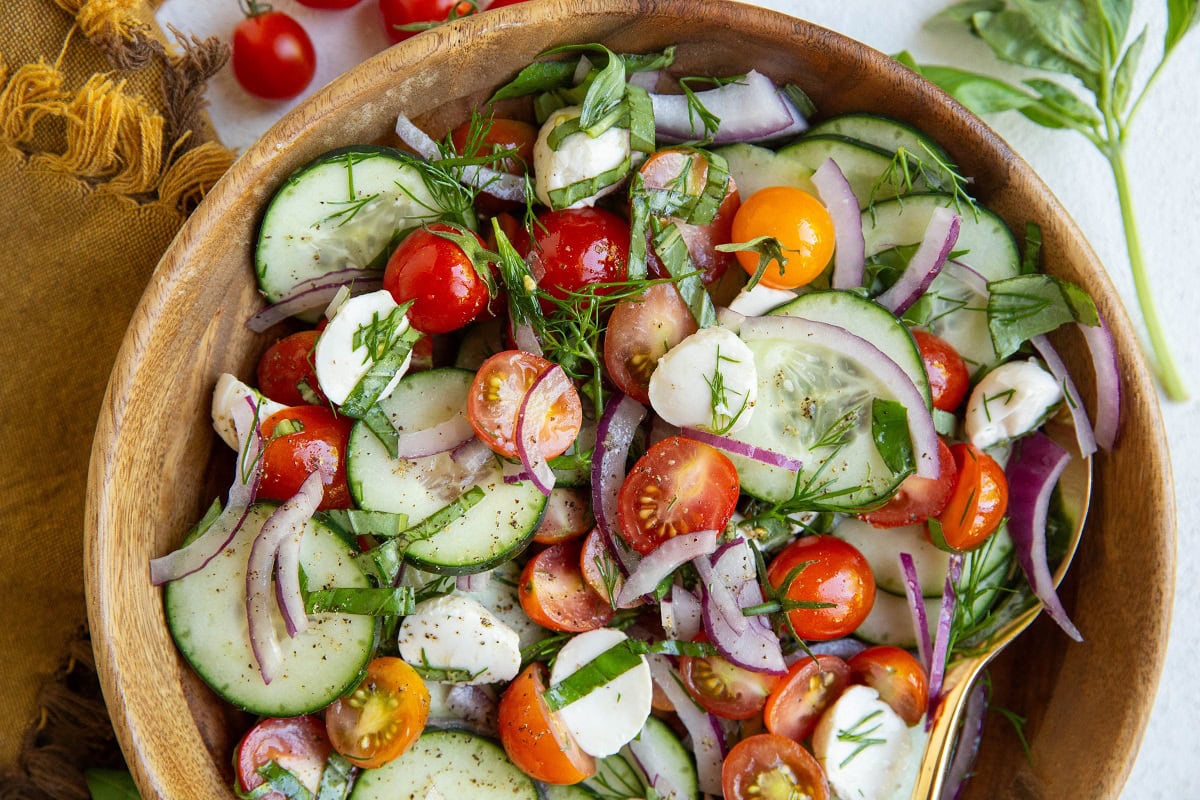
(1030, 305)
(800, 99)
(573, 193)
(611, 664)
(523, 305)
(546, 104)
(377, 422)
(716, 183)
(368, 602)
(387, 556)
(889, 428)
(280, 780)
(367, 391)
(1033, 248)
(606, 92)
(639, 219)
(335, 778)
(540, 76)
(641, 119)
(673, 253)
(383, 524)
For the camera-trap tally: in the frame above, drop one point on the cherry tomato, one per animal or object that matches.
(298, 744)
(724, 688)
(978, 504)
(798, 221)
(382, 717)
(273, 57)
(683, 169)
(824, 569)
(948, 376)
(640, 331)
(495, 400)
(553, 593)
(498, 133)
(679, 486)
(800, 699)
(897, 676)
(317, 438)
(918, 498)
(534, 737)
(330, 4)
(771, 767)
(286, 373)
(397, 13)
(599, 567)
(441, 280)
(568, 515)
(576, 247)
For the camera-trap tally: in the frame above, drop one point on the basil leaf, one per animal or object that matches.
(1182, 16)
(1014, 38)
(980, 93)
(335, 778)
(1076, 29)
(284, 781)
(110, 784)
(377, 422)
(639, 220)
(389, 553)
(641, 119)
(963, 12)
(889, 429)
(370, 602)
(572, 193)
(369, 389)
(540, 76)
(609, 665)
(1126, 72)
(1059, 99)
(800, 100)
(605, 93)
(673, 253)
(1030, 305)
(1033, 248)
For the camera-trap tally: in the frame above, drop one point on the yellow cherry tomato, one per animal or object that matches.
(800, 223)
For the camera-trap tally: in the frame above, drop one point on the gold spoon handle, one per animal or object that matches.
(939, 750)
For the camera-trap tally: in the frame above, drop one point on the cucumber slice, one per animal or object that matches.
(206, 613)
(991, 248)
(491, 532)
(868, 320)
(882, 548)
(656, 749)
(754, 168)
(885, 133)
(956, 312)
(345, 210)
(453, 765)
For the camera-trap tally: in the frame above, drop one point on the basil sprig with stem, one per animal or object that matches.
(1087, 41)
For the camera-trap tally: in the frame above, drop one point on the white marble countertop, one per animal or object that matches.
(1165, 172)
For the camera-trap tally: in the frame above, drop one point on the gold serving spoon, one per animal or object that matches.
(1075, 487)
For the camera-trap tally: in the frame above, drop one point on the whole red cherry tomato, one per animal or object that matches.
(948, 376)
(300, 441)
(576, 247)
(439, 277)
(398, 13)
(273, 57)
(286, 373)
(828, 570)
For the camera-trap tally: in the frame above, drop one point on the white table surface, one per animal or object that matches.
(1164, 163)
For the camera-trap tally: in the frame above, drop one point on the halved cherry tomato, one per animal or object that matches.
(568, 515)
(300, 441)
(978, 504)
(382, 717)
(273, 57)
(724, 688)
(918, 498)
(397, 13)
(533, 736)
(679, 486)
(286, 373)
(948, 376)
(576, 247)
(553, 593)
(800, 699)
(598, 567)
(495, 400)
(685, 170)
(771, 767)
(439, 277)
(897, 676)
(639, 332)
(298, 744)
(824, 569)
(801, 225)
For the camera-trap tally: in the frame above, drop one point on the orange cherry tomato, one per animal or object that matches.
(772, 767)
(554, 595)
(534, 737)
(382, 717)
(897, 676)
(948, 376)
(317, 439)
(800, 223)
(978, 504)
(810, 687)
(568, 515)
(495, 400)
(824, 569)
(724, 688)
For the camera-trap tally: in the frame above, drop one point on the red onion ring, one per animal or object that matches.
(756, 648)
(916, 604)
(475, 582)
(502, 185)
(314, 294)
(525, 339)
(1108, 382)
(941, 642)
(535, 405)
(849, 255)
(940, 235)
(769, 457)
(1032, 474)
(708, 743)
(449, 435)
(967, 747)
(614, 434)
(287, 583)
(681, 614)
(719, 597)
(1083, 427)
(665, 559)
(750, 110)
(920, 420)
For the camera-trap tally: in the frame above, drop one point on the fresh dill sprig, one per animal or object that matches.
(609, 575)
(908, 171)
(696, 108)
(860, 736)
(376, 336)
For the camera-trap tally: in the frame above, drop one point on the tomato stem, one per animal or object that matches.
(253, 8)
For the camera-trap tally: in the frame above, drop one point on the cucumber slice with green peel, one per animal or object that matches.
(754, 168)
(453, 765)
(206, 614)
(491, 532)
(991, 248)
(656, 749)
(345, 210)
(867, 320)
(882, 548)
(956, 312)
(888, 135)
(552, 791)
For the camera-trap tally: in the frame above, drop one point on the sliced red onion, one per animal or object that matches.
(681, 615)
(941, 641)
(769, 457)
(708, 743)
(967, 276)
(845, 649)
(448, 435)
(315, 294)
(614, 434)
(502, 185)
(535, 405)
(581, 70)
(755, 648)
(1108, 382)
(475, 705)
(647, 79)
(526, 339)
(728, 318)
(1083, 426)
(1032, 474)
(203, 549)
(287, 583)
(967, 747)
(289, 517)
(472, 455)
(665, 559)
(719, 597)
(476, 582)
(797, 126)
(749, 110)
(920, 420)
(733, 563)
(849, 255)
(940, 235)
(339, 299)
(916, 604)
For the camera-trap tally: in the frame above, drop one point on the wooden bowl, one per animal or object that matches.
(150, 479)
